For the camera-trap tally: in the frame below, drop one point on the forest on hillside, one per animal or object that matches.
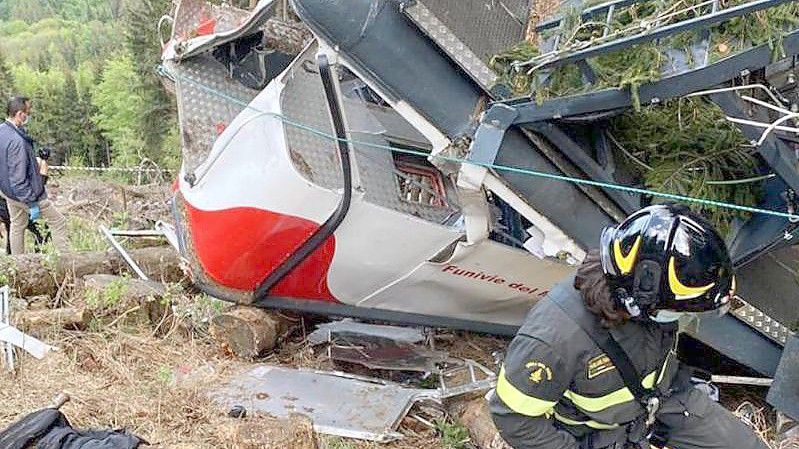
(90, 68)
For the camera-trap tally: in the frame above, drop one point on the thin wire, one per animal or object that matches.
(774, 126)
(762, 124)
(736, 88)
(497, 167)
(743, 180)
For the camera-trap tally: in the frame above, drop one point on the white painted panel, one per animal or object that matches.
(486, 282)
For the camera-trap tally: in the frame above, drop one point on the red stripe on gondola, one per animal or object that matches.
(239, 247)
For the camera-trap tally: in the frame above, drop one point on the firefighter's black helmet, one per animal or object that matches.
(666, 257)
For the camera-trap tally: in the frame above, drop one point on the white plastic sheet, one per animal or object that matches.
(31, 345)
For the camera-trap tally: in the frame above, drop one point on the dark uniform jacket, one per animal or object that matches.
(557, 388)
(19, 171)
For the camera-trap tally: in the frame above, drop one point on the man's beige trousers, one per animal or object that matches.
(19, 214)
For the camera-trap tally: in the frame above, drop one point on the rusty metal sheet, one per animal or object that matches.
(378, 347)
(383, 354)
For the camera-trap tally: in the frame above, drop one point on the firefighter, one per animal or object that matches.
(559, 390)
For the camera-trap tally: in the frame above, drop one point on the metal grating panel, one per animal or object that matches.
(195, 17)
(487, 27)
(187, 18)
(303, 100)
(208, 100)
(379, 179)
(228, 17)
(453, 46)
(763, 323)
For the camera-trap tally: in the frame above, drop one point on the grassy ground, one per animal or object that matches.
(156, 387)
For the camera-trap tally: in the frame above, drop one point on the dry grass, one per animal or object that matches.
(118, 379)
(154, 386)
(479, 348)
(758, 415)
(749, 404)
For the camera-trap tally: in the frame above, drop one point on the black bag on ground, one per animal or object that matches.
(50, 429)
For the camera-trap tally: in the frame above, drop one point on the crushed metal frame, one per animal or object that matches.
(480, 379)
(696, 23)
(162, 229)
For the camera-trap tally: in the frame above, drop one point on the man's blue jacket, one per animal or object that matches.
(19, 171)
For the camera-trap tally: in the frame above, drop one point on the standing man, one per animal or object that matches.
(594, 366)
(21, 182)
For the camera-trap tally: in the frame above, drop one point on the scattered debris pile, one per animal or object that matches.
(93, 200)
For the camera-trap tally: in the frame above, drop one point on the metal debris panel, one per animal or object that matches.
(326, 331)
(337, 403)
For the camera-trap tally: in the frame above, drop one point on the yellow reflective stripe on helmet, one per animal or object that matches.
(520, 402)
(625, 263)
(590, 423)
(683, 291)
(618, 397)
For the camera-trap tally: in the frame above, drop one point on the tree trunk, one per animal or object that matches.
(248, 332)
(38, 319)
(473, 413)
(40, 274)
(140, 300)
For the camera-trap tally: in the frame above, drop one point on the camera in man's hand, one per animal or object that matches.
(44, 153)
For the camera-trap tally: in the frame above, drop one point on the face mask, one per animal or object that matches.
(667, 316)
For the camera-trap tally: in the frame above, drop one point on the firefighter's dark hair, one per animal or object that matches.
(593, 287)
(17, 104)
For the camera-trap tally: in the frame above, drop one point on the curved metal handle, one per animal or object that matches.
(164, 18)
